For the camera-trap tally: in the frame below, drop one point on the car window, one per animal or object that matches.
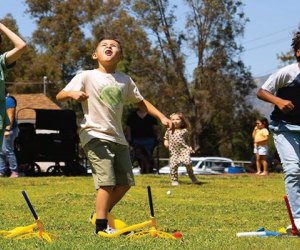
(210, 163)
(224, 164)
(194, 163)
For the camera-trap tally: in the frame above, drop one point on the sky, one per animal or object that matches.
(267, 34)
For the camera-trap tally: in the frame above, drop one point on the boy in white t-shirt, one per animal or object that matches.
(102, 93)
(283, 90)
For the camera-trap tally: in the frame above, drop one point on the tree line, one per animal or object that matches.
(155, 47)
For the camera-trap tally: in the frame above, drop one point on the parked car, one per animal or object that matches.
(204, 165)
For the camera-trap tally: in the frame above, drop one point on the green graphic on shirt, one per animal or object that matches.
(111, 95)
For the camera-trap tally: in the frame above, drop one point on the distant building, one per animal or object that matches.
(26, 103)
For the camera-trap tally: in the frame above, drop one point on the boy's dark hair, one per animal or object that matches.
(0, 39)
(296, 44)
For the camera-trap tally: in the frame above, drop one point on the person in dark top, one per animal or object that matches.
(142, 136)
(283, 90)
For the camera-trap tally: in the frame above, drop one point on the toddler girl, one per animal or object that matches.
(177, 143)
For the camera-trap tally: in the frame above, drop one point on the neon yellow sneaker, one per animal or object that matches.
(112, 221)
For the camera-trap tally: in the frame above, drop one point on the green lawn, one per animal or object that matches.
(209, 215)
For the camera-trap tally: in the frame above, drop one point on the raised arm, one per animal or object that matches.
(254, 132)
(20, 45)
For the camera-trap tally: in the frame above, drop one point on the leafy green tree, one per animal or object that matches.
(215, 98)
(169, 68)
(60, 37)
(25, 69)
(221, 81)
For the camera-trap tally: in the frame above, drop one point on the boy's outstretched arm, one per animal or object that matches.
(20, 45)
(284, 105)
(151, 110)
(78, 96)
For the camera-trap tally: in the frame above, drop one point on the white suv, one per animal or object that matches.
(204, 165)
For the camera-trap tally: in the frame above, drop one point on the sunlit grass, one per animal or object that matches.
(209, 215)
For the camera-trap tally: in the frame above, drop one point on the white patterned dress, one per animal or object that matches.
(179, 152)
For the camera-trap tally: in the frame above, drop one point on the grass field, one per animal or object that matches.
(209, 215)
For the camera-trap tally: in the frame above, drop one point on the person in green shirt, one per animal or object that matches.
(7, 59)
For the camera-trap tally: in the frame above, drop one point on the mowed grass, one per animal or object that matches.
(208, 215)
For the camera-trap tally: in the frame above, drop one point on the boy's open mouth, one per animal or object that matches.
(108, 52)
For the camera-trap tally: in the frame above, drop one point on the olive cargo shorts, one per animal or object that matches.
(110, 163)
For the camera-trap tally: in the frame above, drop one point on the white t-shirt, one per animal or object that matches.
(281, 78)
(285, 84)
(104, 108)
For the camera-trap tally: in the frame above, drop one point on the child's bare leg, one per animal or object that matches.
(117, 194)
(102, 207)
(265, 165)
(258, 166)
(103, 201)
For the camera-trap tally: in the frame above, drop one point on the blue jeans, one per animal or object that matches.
(287, 142)
(7, 154)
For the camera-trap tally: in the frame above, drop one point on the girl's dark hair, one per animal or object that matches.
(296, 44)
(0, 39)
(184, 123)
(264, 121)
